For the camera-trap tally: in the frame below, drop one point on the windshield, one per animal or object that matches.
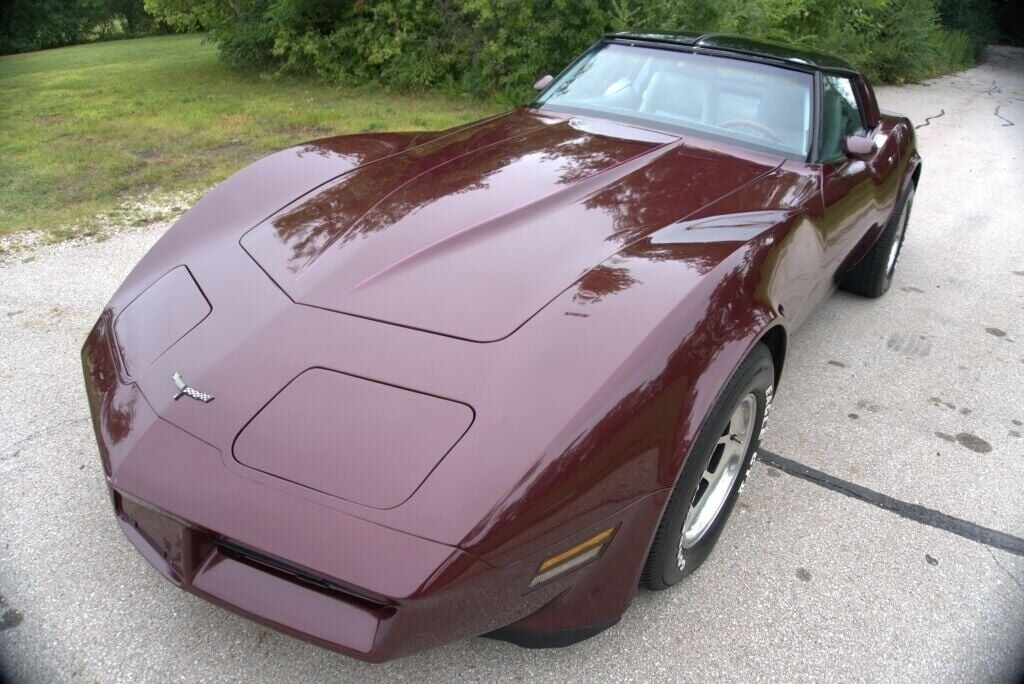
(751, 104)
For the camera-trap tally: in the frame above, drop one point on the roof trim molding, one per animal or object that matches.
(740, 45)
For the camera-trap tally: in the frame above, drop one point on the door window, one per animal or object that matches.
(840, 115)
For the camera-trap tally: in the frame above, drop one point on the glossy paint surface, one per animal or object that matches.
(393, 437)
(534, 189)
(158, 318)
(577, 289)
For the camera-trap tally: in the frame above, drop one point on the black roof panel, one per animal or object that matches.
(741, 45)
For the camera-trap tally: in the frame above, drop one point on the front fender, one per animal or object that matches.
(656, 331)
(697, 308)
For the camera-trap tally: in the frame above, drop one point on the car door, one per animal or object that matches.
(857, 191)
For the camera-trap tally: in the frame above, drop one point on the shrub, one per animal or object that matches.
(498, 47)
(27, 25)
(952, 50)
(896, 46)
(973, 19)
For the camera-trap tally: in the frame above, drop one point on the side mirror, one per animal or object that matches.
(859, 146)
(543, 82)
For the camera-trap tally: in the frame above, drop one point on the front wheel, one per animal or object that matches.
(718, 463)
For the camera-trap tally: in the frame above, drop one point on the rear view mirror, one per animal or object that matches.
(859, 146)
(543, 82)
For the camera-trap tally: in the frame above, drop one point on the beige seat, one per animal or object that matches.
(674, 96)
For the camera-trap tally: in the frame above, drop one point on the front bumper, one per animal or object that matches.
(468, 598)
(309, 570)
(351, 585)
(296, 602)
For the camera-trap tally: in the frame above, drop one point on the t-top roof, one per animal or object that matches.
(740, 45)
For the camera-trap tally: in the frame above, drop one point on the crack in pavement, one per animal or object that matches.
(15, 448)
(916, 512)
(1008, 122)
(928, 119)
(1008, 573)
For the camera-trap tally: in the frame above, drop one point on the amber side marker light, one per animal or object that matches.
(572, 558)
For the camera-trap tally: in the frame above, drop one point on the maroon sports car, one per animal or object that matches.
(385, 391)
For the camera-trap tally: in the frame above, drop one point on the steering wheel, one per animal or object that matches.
(756, 125)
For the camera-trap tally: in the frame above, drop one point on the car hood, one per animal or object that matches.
(473, 232)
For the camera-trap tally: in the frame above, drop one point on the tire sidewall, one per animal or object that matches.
(756, 376)
(893, 233)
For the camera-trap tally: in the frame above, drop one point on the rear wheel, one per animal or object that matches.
(712, 476)
(873, 275)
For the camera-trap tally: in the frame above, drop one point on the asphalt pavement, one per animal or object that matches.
(882, 538)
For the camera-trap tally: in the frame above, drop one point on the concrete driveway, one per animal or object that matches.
(883, 536)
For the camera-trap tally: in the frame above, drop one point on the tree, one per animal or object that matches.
(39, 24)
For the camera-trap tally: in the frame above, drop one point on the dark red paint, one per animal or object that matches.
(505, 336)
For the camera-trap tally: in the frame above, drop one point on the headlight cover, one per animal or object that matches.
(155, 320)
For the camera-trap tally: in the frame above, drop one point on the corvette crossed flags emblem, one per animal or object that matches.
(185, 390)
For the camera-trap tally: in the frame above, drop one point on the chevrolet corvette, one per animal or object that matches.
(388, 390)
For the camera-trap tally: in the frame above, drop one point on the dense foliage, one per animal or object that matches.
(27, 25)
(964, 15)
(500, 46)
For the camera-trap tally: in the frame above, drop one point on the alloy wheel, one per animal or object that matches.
(720, 475)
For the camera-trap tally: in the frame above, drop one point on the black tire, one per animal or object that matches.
(754, 377)
(873, 275)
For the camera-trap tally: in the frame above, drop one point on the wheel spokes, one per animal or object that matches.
(720, 474)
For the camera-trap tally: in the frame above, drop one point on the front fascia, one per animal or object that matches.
(383, 593)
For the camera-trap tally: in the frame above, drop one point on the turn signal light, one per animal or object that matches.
(572, 558)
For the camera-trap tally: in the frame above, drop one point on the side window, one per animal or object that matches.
(840, 115)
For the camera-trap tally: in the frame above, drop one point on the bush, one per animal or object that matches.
(952, 51)
(27, 25)
(498, 47)
(973, 19)
(894, 44)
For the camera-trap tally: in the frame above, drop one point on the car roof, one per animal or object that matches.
(740, 45)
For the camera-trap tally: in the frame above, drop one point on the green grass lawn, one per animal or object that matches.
(84, 129)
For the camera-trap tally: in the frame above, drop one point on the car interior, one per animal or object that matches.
(762, 105)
